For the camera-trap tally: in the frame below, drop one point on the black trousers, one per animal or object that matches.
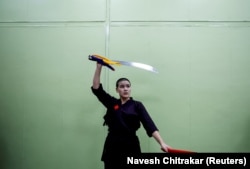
(117, 147)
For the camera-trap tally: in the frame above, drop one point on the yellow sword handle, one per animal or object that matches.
(106, 60)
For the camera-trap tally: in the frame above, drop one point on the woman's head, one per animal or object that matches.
(120, 80)
(123, 87)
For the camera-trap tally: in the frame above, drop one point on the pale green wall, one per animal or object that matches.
(49, 118)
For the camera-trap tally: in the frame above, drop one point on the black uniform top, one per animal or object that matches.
(124, 118)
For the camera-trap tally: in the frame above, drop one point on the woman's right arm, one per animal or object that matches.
(97, 89)
(97, 75)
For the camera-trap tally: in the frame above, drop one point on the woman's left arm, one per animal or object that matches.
(159, 139)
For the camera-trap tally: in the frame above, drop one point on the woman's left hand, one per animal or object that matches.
(165, 147)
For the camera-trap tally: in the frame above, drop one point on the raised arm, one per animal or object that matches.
(96, 78)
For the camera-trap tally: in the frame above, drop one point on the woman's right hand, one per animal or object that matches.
(98, 65)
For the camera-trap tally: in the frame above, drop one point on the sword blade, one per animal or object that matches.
(138, 65)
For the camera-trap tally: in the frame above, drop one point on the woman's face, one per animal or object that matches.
(124, 89)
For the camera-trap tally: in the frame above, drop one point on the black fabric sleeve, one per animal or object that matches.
(146, 120)
(102, 96)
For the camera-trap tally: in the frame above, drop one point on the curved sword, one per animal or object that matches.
(138, 65)
(107, 62)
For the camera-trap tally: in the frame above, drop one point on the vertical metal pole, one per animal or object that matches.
(107, 39)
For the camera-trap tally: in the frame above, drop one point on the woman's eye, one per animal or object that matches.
(123, 86)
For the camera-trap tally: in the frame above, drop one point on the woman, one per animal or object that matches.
(123, 118)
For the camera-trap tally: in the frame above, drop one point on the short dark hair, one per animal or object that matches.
(121, 79)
